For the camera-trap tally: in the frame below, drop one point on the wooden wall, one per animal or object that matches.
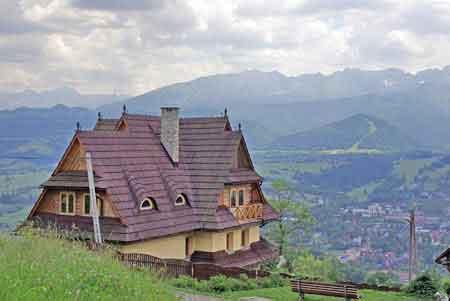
(51, 202)
(74, 160)
(250, 194)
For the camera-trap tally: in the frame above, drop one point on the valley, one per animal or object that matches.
(356, 161)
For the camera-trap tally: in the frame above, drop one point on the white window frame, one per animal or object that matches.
(99, 204)
(183, 197)
(151, 202)
(68, 193)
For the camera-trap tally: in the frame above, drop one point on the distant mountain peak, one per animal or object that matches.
(352, 134)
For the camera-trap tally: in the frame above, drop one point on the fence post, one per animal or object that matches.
(192, 270)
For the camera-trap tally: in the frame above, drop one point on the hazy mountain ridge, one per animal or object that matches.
(354, 133)
(40, 132)
(417, 104)
(64, 95)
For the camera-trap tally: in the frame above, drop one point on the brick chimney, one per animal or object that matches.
(170, 128)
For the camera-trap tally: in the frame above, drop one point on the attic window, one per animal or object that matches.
(147, 204)
(181, 200)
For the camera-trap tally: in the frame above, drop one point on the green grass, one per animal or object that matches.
(36, 268)
(284, 294)
(10, 220)
(11, 183)
(408, 169)
(289, 170)
(372, 129)
(361, 193)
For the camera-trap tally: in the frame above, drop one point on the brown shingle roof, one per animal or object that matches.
(257, 252)
(132, 164)
(70, 179)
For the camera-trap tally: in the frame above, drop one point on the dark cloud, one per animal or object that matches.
(119, 5)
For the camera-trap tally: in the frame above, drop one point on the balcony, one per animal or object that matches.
(247, 212)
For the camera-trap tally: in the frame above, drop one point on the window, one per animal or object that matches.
(241, 197)
(245, 238)
(67, 202)
(181, 200)
(87, 205)
(188, 247)
(147, 204)
(230, 242)
(233, 198)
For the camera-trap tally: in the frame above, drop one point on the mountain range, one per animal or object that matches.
(271, 105)
(64, 95)
(356, 133)
(417, 104)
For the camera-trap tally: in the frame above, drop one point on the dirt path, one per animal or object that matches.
(194, 297)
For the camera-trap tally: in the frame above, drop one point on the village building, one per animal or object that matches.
(170, 187)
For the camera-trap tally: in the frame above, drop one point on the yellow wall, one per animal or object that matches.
(174, 246)
(50, 202)
(254, 234)
(168, 247)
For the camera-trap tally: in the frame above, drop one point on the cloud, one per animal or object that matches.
(133, 46)
(119, 5)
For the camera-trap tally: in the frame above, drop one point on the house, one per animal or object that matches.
(444, 259)
(170, 187)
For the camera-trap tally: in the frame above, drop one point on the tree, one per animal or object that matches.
(295, 217)
(382, 278)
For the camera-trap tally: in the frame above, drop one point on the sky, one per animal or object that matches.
(133, 46)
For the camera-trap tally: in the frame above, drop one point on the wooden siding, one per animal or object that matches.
(50, 202)
(250, 194)
(74, 159)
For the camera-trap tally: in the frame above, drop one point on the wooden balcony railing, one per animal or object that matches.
(249, 211)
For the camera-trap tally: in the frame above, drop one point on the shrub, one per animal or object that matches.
(422, 286)
(445, 284)
(184, 282)
(381, 278)
(274, 280)
(221, 283)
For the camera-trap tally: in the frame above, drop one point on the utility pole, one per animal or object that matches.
(412, 243)
(93, 200)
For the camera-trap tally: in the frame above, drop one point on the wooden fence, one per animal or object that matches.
(204, 271)
(176, 268)
(169, 268)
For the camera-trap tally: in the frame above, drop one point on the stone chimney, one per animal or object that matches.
(170, 128)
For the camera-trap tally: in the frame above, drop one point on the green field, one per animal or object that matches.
(361, 193)
(408, 169)
(10, 220)
(13, 183)
(35, 268)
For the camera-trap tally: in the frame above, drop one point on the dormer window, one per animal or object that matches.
(147, 204)
(181, 200)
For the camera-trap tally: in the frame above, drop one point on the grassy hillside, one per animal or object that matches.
(353, 134)
(34, 268)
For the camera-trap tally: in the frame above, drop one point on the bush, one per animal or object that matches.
(445, 284)
(422, 286)
(274, 280)
(381, 278)
(221, 283)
